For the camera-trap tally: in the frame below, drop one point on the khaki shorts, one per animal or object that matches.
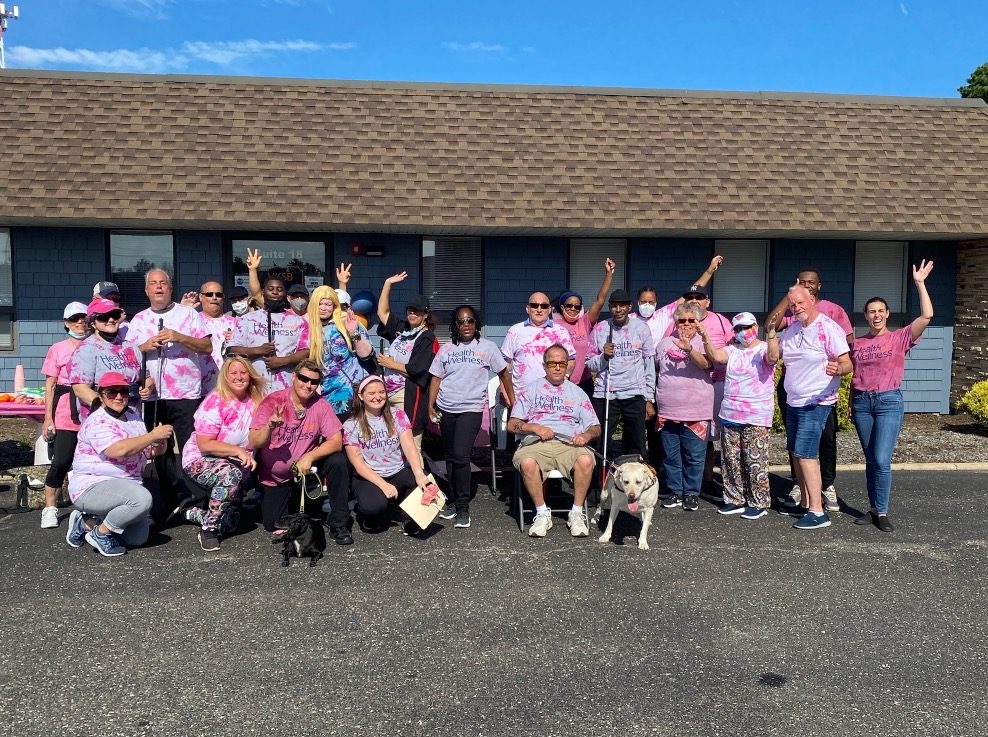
(551, 455)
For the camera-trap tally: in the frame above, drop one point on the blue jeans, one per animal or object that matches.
(684, 457)
(804, 428)
(878, 419)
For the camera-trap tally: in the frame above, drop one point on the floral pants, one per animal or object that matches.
(744, 456)
(225, 479)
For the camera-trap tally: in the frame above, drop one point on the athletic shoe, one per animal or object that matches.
(105, 544)
(209, 541)
(49, 518)
(448, 512)
(577, 523)
(790, 510)
(731, 509)
(811, 521)
(462, 519)
(672, 502)
(690, 503)
(869, 518)
(753, 513)
(830, 502)
(75, 536)
(884, 523)
(795, 496)
(341, 535)
(541, 524)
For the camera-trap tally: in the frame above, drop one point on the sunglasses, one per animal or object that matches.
(75, 318)
(686, 320)
(211, 294)
(742, 328)
(571, 306)
(107, 316)
(555, 364)
(466, 321)
(539, 305)
(308, 380)
(114, 392)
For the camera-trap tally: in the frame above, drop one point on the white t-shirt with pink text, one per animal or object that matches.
(180, 371)
(226, 420)
(290, 334)
(749, 386)
(381, 451)
(99, 431)
(805, 353)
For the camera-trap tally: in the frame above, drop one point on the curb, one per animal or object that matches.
(921, 467)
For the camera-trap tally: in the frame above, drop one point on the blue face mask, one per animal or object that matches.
(77, 336)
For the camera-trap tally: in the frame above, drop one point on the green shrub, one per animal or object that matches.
(843, 398)
(975, 402)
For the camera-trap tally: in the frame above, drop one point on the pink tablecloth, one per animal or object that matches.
(34, 412)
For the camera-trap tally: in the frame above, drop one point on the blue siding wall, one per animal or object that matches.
(671, 265)
(401, 253)
(832, 259)
(926, 382)
(513, 269)
(198, 258)
(941, 283)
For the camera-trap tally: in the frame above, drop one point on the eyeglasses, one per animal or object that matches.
(570, 306)
(308, 380)
(555, 364)
(539, 305)
(114, 392)
(210, 294)
(466, 321)
(686, 320)
(107, 316)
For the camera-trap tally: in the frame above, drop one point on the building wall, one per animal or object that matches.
(971, 318)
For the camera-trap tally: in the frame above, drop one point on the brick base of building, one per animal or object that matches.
(970, 364)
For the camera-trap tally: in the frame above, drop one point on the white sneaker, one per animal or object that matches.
(830, 502)
(795, 495)
(577, 523)
(49, 518)
(541, 524)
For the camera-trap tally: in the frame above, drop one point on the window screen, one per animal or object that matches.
(132, 255)
(586, 265)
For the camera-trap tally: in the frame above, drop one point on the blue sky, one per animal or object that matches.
(887, 47)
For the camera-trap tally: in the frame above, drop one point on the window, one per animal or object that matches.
(880, 271)
(586, 265)
(6, 292)
(295, 261)
(452, 274)
(740, 287)
(132, 255)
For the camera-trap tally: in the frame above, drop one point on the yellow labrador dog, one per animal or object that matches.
(633, 488)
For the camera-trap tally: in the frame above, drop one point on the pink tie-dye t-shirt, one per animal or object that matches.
(749, 386)
(566, 408)
(880, 360)
(90, 465)
(221, 330)
(683, 391)
(226, 420)
(524, 345)
(290, 334)
(806, 350)
(180, 369)
(381, 451)
(56, 365)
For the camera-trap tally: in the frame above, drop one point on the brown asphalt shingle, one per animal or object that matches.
(119, 149)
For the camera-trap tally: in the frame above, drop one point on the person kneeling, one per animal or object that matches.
(113, 447)
(381, 449)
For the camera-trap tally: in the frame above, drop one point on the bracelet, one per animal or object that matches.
(355, 336)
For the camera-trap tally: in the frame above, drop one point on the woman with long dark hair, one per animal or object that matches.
(458, 397)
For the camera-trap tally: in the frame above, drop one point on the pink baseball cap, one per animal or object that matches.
(100, 306)
(113, 378)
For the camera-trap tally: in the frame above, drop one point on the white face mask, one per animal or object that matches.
(298, 303)
(239, 308)
(645, 310)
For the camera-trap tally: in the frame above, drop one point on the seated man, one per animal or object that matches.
(293, 426)
(543, 409)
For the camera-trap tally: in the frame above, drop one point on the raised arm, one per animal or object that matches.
(717, 355)
(384, 301)
(254, 283)
(925, 303)
(605, 286)
(708, 273)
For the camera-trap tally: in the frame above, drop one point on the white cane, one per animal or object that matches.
(607, 406)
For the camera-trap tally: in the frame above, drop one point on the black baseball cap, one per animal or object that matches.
(620, 296)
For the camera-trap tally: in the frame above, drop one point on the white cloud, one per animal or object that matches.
(191, 54)
(144, 8)
(475, 46)
(902, 7)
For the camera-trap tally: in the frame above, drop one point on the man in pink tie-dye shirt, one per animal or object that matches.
(525, 342)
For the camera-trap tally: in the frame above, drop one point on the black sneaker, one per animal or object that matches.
(792, 510)
(462, 519)
(868, 518)
(209, 541)
(448, 512)
(884, 523)
(690, 503)
(341, 535)
(672, 502)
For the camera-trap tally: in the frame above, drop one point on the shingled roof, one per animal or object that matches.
(211, 152)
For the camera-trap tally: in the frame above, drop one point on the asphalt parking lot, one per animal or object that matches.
(725, 627)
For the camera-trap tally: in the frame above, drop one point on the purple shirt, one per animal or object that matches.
(880, 360)
(293, 439)
(683, 391)
(381, 451)
(565, 408)
(181, 371)
(631, 371)
(524, 345)
(465, 371)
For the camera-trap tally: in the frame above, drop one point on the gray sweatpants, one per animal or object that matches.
(123, 505)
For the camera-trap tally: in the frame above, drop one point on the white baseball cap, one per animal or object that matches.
(73, 308)
(343, 296)
(743, 318)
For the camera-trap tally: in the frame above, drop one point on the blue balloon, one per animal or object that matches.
(363, 302)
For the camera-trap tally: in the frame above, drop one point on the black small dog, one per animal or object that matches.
(303, 537)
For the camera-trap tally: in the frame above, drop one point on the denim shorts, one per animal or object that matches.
(804, 426)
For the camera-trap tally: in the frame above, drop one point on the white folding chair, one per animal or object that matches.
(521, 494)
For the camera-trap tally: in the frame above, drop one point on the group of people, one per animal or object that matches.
(287, 384)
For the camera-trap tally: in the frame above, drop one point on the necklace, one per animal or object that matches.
(299, 413)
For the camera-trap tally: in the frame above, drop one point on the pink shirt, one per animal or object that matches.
(805, 353)
(880, 360)
(721, 334)
(683, 391)
(293, 439)
(221, 330)
(579, 334)
(382, 452)
(290, 333)
(749, 386)
(226, 420)
(662, 323)
(524, 345)
(95, 357)
(56, 365)
(90, 465)
(181, 369)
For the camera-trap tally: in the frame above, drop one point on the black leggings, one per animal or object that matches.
(277, 501)
(459, 430)
(372, 505)
(61, 461)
